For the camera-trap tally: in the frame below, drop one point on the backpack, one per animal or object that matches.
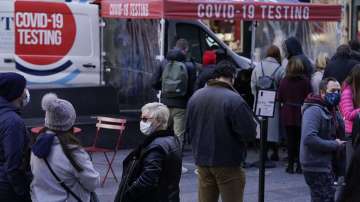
(266, 82)
(174, 80)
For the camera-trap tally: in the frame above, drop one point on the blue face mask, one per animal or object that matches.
(332, 99)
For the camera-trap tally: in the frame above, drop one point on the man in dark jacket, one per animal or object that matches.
(293, 48)
(355, 49)
(14, 178)
(219, 123)
(318, 140)
(341, 64)
(177, 105)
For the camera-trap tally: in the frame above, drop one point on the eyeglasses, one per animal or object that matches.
(145, 119)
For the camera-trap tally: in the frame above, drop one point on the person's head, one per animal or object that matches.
(225, 71)
(295, 68)
(291, 47)
(343, 51)
(330, 91)
(354, 45)
(154, 117)
(321, 61)
(182, 45)
(60, 118)
(13, 89)
(354, 81)
(209, 57)
(274, 52)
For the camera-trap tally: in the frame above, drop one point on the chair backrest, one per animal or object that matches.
(111, 124)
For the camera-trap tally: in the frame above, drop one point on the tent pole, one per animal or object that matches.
(162, 39)
(253, 35)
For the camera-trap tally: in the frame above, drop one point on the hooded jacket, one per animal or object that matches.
(179, 102)
(151, 172)
(44, 187)
(294, 49)
(219, 122)
(319, 130)
(14, 149)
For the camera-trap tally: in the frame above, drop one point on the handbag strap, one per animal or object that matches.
(62, 182)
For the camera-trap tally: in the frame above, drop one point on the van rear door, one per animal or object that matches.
(7, 36)
(57, 43)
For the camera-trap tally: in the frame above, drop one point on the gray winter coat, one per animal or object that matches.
(220, 123)
(317, 138)
(270, 66)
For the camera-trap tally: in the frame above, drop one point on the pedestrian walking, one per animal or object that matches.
(291, 101)
(350, 106)
(207, 70)
(355, 49)
(219, 123)
(151, 172)
(320, 64)
(176, 79)
(270, 67)
(15, 175)
(318, 141)
(340, 65)
(293, 48)
(62, 169)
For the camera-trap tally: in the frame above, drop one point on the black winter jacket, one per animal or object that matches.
(294, 49)
(181, 102)
(205, 75)
(339, 67)
(219, 122)
(151, 173)
(14, 154)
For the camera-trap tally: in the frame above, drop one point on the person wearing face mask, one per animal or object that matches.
(151, 172)
(15, 175)
(320, 128)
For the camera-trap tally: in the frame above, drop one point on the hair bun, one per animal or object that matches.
(48, 100)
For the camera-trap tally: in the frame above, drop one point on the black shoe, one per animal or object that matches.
(290, 169)
(298, 170)
(274, 157)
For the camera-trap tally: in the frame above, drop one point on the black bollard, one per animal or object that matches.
(263, 140)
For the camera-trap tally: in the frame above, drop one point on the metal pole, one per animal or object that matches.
(263, 140)
(253, 35)
(162, 39)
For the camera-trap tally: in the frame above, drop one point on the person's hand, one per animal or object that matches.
(340, 142)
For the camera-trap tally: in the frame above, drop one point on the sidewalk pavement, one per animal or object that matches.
(280, 186)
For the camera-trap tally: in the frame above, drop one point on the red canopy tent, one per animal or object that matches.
(225, 9)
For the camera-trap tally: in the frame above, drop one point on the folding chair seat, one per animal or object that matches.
(107, 123)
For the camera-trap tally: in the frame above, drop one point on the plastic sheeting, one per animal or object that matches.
(315, 37)
(131, 48)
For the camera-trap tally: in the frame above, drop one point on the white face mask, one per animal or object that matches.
(26, 99)
(146, 127)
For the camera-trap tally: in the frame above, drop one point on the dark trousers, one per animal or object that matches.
(293, 134)
(321, 186)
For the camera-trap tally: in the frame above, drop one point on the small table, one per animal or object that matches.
(37, 130)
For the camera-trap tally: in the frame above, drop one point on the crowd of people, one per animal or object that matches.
(319, 121)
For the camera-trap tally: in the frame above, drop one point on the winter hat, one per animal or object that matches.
(60, 114)
(209, 58)
(12, 85)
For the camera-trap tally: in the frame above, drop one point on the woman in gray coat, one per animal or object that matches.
(270, 66)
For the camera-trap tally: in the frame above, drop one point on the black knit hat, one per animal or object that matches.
(12, 85)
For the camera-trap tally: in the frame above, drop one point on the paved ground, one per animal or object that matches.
(280, 186)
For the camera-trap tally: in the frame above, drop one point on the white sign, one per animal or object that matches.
(265, 103)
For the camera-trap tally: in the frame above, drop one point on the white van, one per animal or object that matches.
(50, 43)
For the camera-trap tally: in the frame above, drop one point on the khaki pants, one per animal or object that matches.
(229, 182)
(177, 120)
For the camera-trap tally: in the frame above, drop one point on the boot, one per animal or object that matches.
(298, 168)
(290, 168)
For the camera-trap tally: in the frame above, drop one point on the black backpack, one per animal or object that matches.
(267, 82)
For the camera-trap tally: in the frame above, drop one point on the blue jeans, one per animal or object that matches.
(321, 186)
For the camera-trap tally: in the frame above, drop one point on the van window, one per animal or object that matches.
(192, 34)
(199, 40)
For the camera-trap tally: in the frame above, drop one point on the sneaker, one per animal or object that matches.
(196, 171)
(184, 170)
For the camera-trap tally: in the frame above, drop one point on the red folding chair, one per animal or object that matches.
(110, 124)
